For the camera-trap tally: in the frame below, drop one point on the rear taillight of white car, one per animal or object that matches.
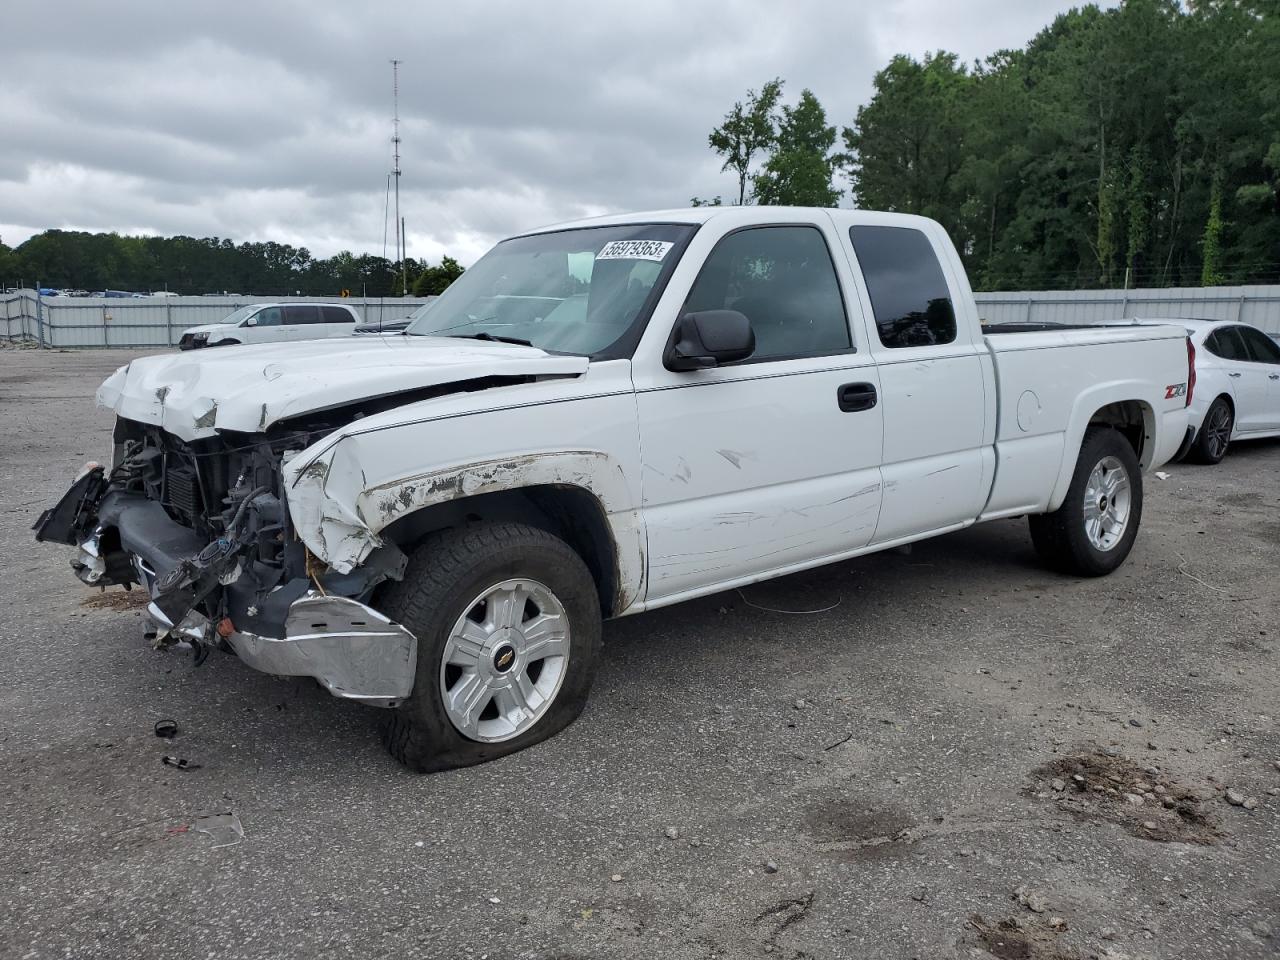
(1191, 370)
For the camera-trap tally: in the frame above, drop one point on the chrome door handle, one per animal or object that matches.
(1273, 376)
(1233, 374)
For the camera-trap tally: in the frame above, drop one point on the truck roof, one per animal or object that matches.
(746, 214)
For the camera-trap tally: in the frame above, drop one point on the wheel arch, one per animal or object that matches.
(1133, 418)
(568, 511)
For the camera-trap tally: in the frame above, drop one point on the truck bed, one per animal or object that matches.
(1042, 412)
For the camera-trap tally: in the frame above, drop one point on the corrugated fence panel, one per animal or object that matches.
(1258, 305)
(147, 321)
(159, 321)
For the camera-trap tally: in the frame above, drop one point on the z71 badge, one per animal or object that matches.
(1175, 390)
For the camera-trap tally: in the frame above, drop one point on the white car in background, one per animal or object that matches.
(273, 323)
(1237, 387)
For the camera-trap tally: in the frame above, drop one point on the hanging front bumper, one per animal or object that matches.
(351, 649)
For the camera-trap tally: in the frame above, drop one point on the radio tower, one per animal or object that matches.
(395, 144)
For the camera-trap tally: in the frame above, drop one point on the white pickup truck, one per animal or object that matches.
(601, 418)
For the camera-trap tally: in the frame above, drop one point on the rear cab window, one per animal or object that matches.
(909, 294)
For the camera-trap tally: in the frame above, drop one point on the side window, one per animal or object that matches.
(1262, 349)
(909, 293)
(295, 314)
(268, 317)
(783, 280)
(1225, 342)
(336, 315)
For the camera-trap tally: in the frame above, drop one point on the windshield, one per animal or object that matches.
(576, 291)
(423, 309)
(239, 314)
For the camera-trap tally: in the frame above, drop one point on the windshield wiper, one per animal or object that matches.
(493, 337)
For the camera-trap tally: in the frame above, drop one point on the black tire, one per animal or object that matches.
(225, 343)
(1060, 537)
(446, 573)
(1214, 435)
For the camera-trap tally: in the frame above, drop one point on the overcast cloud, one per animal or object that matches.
(272, 120)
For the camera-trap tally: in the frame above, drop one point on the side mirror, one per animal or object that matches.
(251, 321)
(709, 338)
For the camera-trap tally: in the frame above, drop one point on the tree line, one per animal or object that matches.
(70, 259)
(1138, 145)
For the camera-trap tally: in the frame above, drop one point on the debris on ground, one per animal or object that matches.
(770, 867)
(786, 912)
(166, 729)
(224, 829)
(1237, 798)
(1146, 802)
(179, 763)
(116, 600)
(1014, 940)
(672, 833)
(1033, 900)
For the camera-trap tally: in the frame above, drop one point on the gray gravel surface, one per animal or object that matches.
(909, 807)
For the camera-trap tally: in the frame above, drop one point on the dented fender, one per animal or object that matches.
(355, 485)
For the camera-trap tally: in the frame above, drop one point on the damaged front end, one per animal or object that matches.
(204, 528)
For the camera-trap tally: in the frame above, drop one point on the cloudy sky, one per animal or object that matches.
(272, 120)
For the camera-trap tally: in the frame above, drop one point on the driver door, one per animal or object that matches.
(771, 463)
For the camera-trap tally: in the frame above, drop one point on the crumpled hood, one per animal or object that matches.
(212, 328)
(248, 388)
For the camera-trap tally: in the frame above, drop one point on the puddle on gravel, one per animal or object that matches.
(1101, 787)
(857, 830)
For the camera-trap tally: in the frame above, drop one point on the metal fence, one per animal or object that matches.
(1258, 305)
(159, 321)
(141, 322)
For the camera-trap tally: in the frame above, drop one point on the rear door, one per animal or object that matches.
(934, 382)
(771, 463)
(302, 322)
(1246, 379)
(1264, 354)
(337, 321)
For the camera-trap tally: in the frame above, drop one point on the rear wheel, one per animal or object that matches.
(1211, 443)
(508, 625)
(1093, 531)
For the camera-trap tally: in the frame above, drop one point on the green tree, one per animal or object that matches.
(747, 131)
(908, 143)
(801, 166)
(433, 281)
(1211, 272)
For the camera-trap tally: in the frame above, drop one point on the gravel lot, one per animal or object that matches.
(895, 758)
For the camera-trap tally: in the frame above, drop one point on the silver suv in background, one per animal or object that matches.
(273, 323)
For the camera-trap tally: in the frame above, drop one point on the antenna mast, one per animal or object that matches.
(395, 144)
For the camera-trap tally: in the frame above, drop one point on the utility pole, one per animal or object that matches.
(395, 141)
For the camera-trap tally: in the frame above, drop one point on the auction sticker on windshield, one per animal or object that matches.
(634, 250)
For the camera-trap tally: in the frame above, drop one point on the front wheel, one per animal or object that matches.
(508, 625)
(1211, 443)
(1093, 531)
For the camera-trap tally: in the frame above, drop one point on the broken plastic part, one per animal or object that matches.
(179, 763)
(226, 628)
(166, 729)
(224, 829)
